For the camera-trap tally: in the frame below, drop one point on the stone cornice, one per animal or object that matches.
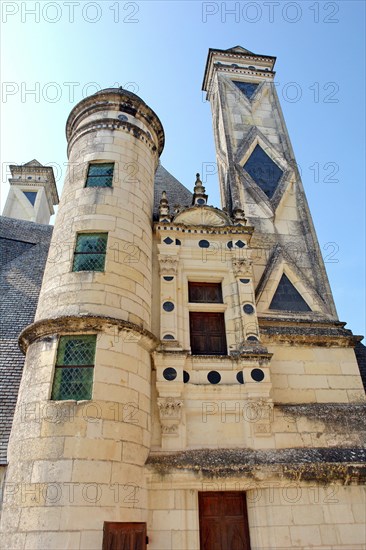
(310, 332)
(234, 55)
(119, 100)
(321, 465)
(204, 229)
(111, 124)
(88, 323)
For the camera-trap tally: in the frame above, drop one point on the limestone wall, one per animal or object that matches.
(280, 514)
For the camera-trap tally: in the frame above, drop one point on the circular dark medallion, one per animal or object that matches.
(240, 377)
(257, 375)
(248, 308)
(186, 377)
(204, 244)
(245, 281)
(168, 306)
(170, 374)
(200, 201)
(214, 377)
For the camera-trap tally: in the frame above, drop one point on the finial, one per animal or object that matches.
(164, 208)
(199, 192)
(239, 216)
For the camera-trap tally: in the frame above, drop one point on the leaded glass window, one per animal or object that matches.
(90, 252)
(74, 368)
(100, 175)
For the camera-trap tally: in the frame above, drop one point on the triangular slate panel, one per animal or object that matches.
(287, 298)
(31, 196)
(247, 88)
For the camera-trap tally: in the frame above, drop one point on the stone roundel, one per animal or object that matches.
(257, 375)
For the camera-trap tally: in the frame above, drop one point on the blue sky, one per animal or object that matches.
(55, 53)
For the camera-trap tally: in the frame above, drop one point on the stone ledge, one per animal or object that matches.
(322, 465)
(96, 323)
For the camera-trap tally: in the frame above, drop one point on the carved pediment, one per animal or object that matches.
(202, 215)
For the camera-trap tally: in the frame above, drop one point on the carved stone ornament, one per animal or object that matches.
(171, 429)
(264, 417)
(170, 407)
(168, 265)
(242, 267)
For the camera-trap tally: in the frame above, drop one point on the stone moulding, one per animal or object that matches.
(322, 465)
(87, 323)
(115, 99)
(205, 229)
(309, 332)
(111, 124)
(347, 417)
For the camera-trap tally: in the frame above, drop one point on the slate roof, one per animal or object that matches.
(23, 252)
(176, 192)
(360, 351)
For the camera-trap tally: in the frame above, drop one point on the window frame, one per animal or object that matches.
(56, 394)
(89, 177)
(80, 254)
(204, 308)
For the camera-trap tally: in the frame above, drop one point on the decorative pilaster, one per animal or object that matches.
(168, 293)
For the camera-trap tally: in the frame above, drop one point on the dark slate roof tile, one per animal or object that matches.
(24, 248)
(176, 192)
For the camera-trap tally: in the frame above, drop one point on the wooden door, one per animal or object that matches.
(124, 536)
(223, 521)
(207, 332)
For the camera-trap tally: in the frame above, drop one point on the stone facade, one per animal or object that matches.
(275, 414)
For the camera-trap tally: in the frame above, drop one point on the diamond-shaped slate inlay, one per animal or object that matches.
(247, 88)
(287, 298)
(240, 244)
(263, 171)
(168, 240)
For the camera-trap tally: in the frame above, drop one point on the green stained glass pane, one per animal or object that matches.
(72, 383)
(105, 169)
(99, 181)
(89, 262)
(100, 175)
(91, 243)
(76, 350)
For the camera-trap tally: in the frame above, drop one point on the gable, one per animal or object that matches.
(287, 298)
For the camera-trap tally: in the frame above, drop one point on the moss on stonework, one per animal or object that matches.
(335, 416)
(321, 465)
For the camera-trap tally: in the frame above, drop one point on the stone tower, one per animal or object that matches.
(94, 309)
(33, 193)
(258, 173)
